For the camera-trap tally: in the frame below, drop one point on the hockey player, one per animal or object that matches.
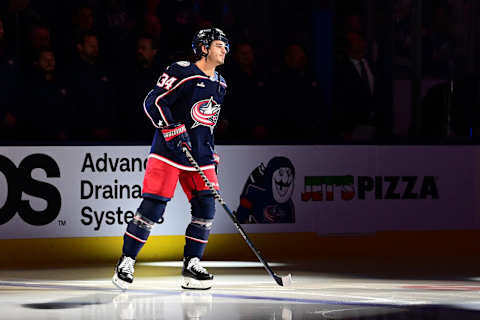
(184, 107)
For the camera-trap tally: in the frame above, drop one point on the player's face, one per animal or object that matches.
(217, 52)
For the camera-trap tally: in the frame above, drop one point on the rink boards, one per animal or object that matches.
(74, 202)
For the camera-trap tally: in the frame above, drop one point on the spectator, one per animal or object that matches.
(355, 22)
(82, 22)
(92, 93)
(451, 109)
(39, 37)
(18, 22)
(356, 114)
(9, 84)
(136, 86)
(118, 32)
(295, 88)
(152, 26)
(247, 91)
(403, 40)
(439, 45)
(118, 19)
(46, 106)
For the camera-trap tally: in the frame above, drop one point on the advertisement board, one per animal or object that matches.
(93, 191)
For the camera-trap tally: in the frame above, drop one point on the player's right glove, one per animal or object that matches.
(176, 137)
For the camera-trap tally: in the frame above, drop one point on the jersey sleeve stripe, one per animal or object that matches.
(161, 111)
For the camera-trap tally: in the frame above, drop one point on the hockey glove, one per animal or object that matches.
(176, 137)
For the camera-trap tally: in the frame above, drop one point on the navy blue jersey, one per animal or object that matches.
(184, 94)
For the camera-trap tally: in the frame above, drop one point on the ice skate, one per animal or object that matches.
(195, 276)
(124, 270)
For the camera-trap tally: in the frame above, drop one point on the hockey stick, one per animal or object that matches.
(281, 281)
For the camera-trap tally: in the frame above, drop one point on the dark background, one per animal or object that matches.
(290, 74)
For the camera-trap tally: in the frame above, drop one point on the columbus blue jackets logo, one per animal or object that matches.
(267, 194)
(205, 113)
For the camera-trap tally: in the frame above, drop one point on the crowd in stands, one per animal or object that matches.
(78, 71)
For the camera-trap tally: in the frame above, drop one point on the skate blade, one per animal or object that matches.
(194, 284)
(119, 283)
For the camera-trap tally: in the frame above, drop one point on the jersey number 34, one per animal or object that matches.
(165, 81)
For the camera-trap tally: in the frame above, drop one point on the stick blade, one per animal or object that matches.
(284, 281)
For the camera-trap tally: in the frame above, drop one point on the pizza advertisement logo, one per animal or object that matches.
(347, 187)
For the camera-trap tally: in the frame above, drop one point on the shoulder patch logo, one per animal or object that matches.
(205, 113)
(183, 63)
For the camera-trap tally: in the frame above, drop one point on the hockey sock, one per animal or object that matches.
(198, 231)
(196, 239)
(134, 239)
(139, 228)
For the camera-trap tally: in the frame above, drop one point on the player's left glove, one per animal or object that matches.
(176, 137)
